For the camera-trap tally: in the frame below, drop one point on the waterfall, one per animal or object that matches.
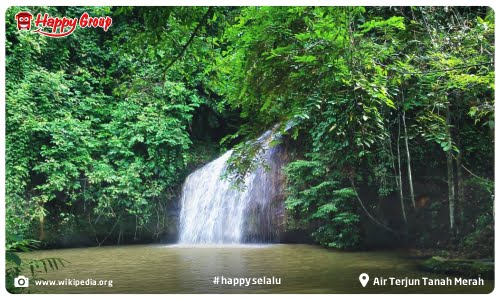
(215, 212)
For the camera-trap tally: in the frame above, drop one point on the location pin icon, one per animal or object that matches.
(364, 278)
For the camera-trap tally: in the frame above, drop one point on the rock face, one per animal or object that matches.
(213, 211)
(265, 213)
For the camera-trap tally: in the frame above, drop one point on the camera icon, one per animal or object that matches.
(21, 281)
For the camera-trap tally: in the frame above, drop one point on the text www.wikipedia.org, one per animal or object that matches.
(75, 282)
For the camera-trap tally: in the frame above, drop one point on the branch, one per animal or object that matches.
(203, 20)
(470, 172)
(447, 70)
(368, 214)
(112, 229)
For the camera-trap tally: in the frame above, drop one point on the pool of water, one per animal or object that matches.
(192, 269)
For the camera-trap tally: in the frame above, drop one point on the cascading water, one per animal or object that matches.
(214, 212)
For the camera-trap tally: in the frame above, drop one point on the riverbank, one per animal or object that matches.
(460, 267)
(453, 263)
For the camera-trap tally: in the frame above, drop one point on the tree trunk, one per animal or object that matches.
(451, 177)
(399, 182)
(460, 185)
(120, 234)
(451, 191)
(408, 162)
(42, 231)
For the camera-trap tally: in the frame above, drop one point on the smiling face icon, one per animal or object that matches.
(24, 20)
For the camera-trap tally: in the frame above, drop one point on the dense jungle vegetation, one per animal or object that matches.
(387, 113)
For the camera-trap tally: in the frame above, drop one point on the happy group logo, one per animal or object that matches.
(57, 27)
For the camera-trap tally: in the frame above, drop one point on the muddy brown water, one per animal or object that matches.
(186, 269)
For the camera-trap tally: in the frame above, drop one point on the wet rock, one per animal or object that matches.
(459, 267)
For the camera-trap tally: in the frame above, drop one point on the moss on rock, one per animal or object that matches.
(461, 267)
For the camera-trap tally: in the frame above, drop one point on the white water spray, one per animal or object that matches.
(214, 212)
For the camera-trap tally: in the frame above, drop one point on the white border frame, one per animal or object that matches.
(7, 3)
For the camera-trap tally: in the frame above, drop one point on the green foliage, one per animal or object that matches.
(316, 199)
(478, 242)
(360, 84)
(97, 127)
(100, 124)
(15, 266)
(481, 234)
(35, 267)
